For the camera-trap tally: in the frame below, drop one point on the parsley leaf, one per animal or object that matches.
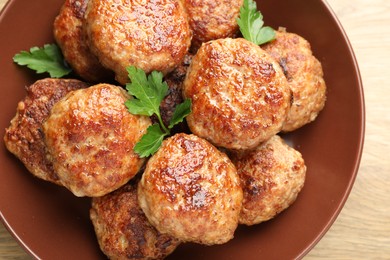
(46, 59)
(150, 142)
(251, 24)
(148, 92)
(182, 110)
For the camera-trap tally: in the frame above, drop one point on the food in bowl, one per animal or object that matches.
(224, 149)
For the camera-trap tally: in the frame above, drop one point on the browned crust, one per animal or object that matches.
(69, 35)
(305, 77)
(240, 96)
(24, 137)
(154, 35)
(122, 229)
(90, 136)
(191, 191)
(211, 20)
(271, 177)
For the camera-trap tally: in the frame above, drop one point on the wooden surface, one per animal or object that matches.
(362, 230)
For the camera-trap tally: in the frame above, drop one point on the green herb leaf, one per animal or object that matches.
(251, 24)
(150, 142)
(148, 92)
(266, 34)
(46, 59)
(182, 110)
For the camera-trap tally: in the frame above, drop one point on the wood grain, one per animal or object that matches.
(362, 230)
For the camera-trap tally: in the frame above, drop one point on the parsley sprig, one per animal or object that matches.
(45, 59)
(148, 92)
(251, 24)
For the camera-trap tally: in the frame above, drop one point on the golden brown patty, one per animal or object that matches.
(271, 177)
(211, 20)
(240, 96)
(305, 77)
(69, 35)
(151, 35)
(90, 136)
(24, 136)
(191, 191)
(123, 231)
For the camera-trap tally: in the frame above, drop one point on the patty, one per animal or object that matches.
(271, 177)
(69, 35)
(90, 136)
(240, 96)
(305, 77)
(151, 35)
(191, 191)
(123, 231)
(211, 20)
(24, 137)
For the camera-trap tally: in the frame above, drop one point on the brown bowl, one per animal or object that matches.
(50, 223)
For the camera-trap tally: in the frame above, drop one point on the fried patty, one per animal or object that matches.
(211, 20)
(191, 191)
(151, 35)
(305, 77)
(271, 177)
(123, 231)
(90, 136)
(70, 37)
(24, 136)
(240, 96)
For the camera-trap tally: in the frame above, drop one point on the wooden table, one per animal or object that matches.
(362, 230)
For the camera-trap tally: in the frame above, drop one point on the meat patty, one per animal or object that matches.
(271, 176)
(24, 136)
(211, 20)
(191, 191)
(123, 231)
(305, 77)
(240, 96)
(70, 37)
(90, 136)
(151, 35)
